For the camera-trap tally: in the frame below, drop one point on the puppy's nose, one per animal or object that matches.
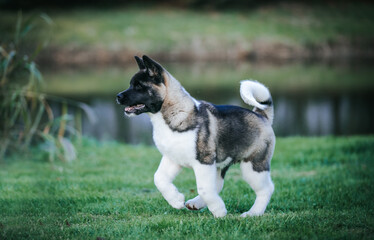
(119, 96)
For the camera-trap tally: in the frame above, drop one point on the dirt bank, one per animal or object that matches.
(259, 50)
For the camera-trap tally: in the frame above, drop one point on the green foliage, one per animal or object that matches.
(149, 29)
(323, 190)
(26, 115)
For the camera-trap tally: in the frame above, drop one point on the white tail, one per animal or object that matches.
(256, 94)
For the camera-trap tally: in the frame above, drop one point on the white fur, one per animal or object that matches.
(207, 188)
(253, 92)
(223, 164)
(198, 202)
(130, 114)
(197, 103)
(261, 183)
(178, 147)
(163, 179)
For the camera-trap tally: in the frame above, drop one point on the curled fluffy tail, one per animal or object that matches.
(257, 95)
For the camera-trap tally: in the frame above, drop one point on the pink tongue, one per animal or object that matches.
(129, 109)
(134, 108)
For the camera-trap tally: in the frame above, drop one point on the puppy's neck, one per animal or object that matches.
(179, 108)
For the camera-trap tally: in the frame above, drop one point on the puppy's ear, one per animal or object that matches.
(154, 69)
(140, 62)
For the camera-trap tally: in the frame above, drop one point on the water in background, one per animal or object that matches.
(305, 112)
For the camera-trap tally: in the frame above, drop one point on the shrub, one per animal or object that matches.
(26, 115)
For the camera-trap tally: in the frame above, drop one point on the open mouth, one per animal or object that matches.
(134, 109)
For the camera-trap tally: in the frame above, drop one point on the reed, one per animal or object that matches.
(26, 114)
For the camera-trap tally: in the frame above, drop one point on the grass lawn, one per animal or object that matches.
(323, 189)
(153, 29)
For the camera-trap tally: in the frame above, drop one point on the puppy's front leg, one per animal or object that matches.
(163, 179)
(207, 188)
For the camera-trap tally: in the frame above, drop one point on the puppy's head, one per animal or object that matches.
(147, 88)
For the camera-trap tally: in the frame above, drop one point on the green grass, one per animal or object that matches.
(154, 30)
(323, 189)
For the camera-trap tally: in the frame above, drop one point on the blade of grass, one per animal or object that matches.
(8, 59)
(18, 28)
(36, 123)
(64, 112)
(50, 116)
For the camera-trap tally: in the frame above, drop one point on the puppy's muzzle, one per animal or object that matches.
(120, 98)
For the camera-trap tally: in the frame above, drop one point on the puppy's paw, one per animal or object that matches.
(195, 203)
(220, 213)
(252, 213)
(177, 202)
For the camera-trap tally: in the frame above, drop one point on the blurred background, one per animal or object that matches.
(316, 57)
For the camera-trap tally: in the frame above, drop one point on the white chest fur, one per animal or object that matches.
(179, 147)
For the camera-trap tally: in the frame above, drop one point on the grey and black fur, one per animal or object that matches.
(205, 137)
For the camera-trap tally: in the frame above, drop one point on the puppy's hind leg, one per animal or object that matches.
(163, 179)
(197, 202)
(261, 183)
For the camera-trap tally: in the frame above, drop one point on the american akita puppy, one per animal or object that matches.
(205, 137)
